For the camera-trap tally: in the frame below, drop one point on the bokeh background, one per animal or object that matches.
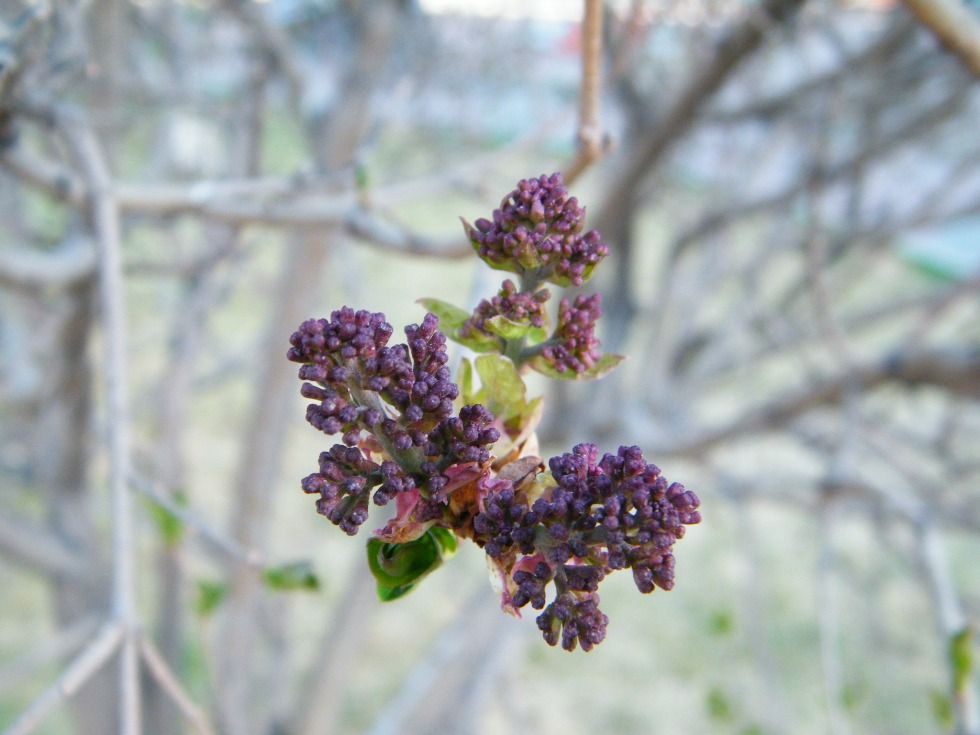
(791, 194)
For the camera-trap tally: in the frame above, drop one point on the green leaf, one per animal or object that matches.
(605, 365)
(170, 526)
(961, 659)
(942, 709)
(298, 575)
(209, 596)
(504, 327)
(853, 695)
(566, 282)
(478, 342)
(451, 317)
(398, 568)
(719, 706)
(466, 382)
(361, 178)
(511, 330)
(502, 390)
(537, 335)
(721, 622)
(447, 541)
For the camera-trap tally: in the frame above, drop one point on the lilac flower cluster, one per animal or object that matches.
(511, 304)
(556, 532)
(402, 396)
(538, 229)
(574, 346)
(599, 516)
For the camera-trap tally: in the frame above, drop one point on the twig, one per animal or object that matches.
(954, 25)
(37, 548)
(162, 674)
(105, 222)
(70, 263)
(736, 47)
(957, 373)
(426, 673)
(78, 672)
(63, 643)
(590, 139)
(318, 708)
(952, 622)
(821, 177)
(372, 231)
(211, 536)
(828, 601)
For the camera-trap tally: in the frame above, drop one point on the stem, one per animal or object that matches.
(531, 280)
(515, 349)
(106, 225)
(407, 459)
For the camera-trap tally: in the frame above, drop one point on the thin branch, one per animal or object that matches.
(958, 373)
(590, 139)
(952, 622)
(78, 672)
(216, 540)
(37, 548)
(736, 47)
(28, 268)
(425, 674)
(955, 26)
(63, 643)
(821, 177)
(770, 106)
(195, 716)
(290, 202)
(375, 232)
(106, 225)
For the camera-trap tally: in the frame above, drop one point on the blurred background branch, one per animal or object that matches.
(791, 206)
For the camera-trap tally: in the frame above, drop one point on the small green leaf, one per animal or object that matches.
(451, 317)
(361, 178)
(398, 568)
(466, 382)
(605, 365)
(721, 622)
(446, 539)
(478, 341)
(502, 390)
(170, 525)
(298, 575)
(942, 709)
(719, 707)
(536, 335)
(209, 596)
(532, 411)
(567, 282)
(961, 658)
(852, 695)
(504, 327)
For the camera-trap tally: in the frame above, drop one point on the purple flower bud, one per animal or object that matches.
(576, 347)
(538, 228)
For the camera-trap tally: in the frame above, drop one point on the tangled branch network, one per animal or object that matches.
(460, 461)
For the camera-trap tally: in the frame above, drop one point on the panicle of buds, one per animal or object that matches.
(522, 307)
(575, 346)
(537, 230)
(600, 515)
(555, 532)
